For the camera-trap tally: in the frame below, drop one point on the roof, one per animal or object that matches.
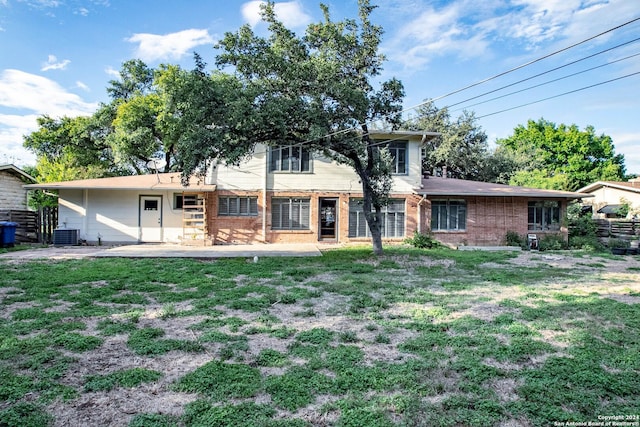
(438, 186)
(631, 186)
(420, 135)
(161, 181)
(609, 209)
(17, 172)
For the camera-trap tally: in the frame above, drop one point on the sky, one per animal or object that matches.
(58, 56)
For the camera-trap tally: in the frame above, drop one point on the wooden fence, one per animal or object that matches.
(618, 228)
(33, 226)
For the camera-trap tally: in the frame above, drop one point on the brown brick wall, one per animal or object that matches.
(488, 221)
(227, 230)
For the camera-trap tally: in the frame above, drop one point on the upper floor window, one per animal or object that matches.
(294, 159)
(398, 151)
(448, 215)
(544, 215)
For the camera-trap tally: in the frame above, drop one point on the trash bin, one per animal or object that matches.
(8, 234)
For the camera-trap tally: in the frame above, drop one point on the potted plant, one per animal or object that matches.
(618, 246)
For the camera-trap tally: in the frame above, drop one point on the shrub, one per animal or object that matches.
(514, 239)
(422, 241)
(585, 243)
(552, 242)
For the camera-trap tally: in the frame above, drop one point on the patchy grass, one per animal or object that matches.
(420, 338)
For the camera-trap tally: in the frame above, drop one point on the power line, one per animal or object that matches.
(546, 72)
(523, 65)
(544, 83)
(559, 95)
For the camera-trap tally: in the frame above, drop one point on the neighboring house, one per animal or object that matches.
(13, 195)
(288, 194)
(610, 196)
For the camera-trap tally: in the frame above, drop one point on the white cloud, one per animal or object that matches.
(153, 47)
(291, 13)
(40, 95)
(12, 130)
(82, 86)
(82, 11)
(53, 64)
(112, 72)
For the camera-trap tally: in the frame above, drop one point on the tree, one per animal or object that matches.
(461, 147)
(314, 90)
(562, 157)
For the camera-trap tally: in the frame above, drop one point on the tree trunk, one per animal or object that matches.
(374, 218)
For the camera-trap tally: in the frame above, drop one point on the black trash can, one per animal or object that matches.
(8, 234)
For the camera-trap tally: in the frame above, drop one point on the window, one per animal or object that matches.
(177, 201)
(289, 159)
(544, 215)
(392, 219)
(150, 205)
(448, 215)
(290, 214)
(398, 151)
(237, 206)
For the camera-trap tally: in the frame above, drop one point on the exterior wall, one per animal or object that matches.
(113, 215)
(234, 230)
(13, 196)
(325, 175)
(488, 221)
(612, 196)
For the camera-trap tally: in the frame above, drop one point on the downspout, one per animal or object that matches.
(264, 196)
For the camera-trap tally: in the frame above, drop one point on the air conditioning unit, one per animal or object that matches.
(65, 237)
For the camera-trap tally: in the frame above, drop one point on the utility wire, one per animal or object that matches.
(523, 65)
(559, 95)
(544, 83)
(546, 72)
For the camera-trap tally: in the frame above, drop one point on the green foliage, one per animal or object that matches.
(512, 238)
(147, 342)
(462, 145)
(25, 415)
(562, 157)
(202, 414)
(154, 420)
(128, 378)
(422, 241)
(317, 336)
(552, 242)
(221, 381)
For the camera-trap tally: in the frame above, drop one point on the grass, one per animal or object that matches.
(412, 338)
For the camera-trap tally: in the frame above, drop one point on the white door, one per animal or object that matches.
(151, 219)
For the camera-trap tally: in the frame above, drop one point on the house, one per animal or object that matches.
(290, 195)
(610, 196)
(461, 212)
(12, 180)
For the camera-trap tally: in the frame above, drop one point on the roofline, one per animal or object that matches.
(19, 171)
(567, 196)
(612, 184)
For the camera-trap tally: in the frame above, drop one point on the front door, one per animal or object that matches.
(151, 219)
(328, 219)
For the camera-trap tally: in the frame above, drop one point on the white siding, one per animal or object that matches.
(613, 196)
(326, 175)
(114, 214)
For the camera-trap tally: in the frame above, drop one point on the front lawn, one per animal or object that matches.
(412, 338)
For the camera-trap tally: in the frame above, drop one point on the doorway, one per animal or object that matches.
(328, 219)
(151, 219)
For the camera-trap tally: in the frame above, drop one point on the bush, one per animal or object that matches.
(552, 242)
(585, 243)
(422, 241)
(514, 239)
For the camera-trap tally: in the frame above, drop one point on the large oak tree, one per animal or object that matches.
(315, 91)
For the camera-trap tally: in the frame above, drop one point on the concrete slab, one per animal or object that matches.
(218, 251)
(167, 251)
(489, 248)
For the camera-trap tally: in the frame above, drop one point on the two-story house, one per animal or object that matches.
(291, 195)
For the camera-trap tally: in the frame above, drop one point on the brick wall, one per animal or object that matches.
(227, 229)
(12, 195)
(488, 221)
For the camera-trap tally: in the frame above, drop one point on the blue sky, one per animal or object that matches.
(57, 56)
